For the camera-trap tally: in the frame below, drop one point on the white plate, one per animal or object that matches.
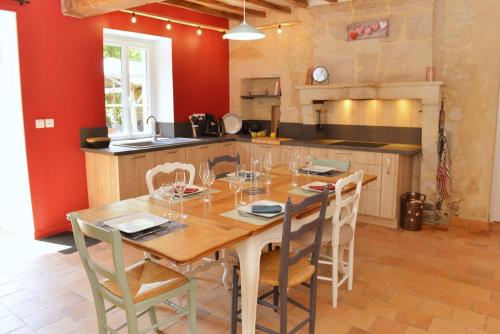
(319, 169)
(135, 222)
(315, 183)
(198, 190)
(247, 209)
(232, 123)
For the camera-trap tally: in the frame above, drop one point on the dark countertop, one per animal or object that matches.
(402, 149)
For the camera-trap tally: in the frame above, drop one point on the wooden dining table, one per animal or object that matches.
(209, 231)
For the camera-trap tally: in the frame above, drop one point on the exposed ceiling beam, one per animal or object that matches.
(249, 11)
(298, 3)
(203, 9)
(271, 5)
(85, 8)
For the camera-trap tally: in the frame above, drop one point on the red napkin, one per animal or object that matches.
(332, 187)
(188, 191)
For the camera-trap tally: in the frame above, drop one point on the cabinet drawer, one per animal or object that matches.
(371, 158)
(172, 155)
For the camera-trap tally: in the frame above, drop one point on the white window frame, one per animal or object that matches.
(125, 43)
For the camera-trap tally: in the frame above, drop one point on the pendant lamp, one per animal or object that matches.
(244, 31)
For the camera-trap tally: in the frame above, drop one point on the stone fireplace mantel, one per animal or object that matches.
(429, 93)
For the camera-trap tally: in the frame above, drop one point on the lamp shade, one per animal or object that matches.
(244, 32)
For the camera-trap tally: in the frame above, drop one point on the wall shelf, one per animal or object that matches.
(260, 96)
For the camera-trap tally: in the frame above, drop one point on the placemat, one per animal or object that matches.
(178, 200)
(152, 233)
(301, 192)
(233, 214)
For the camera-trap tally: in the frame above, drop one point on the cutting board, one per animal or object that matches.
(270, 141)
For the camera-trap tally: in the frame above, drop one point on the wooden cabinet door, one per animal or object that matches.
(263, 149)
(369, 170)
(221, 149)
(164, 156)
(286, 153)
(132, 174)
(244, 151)
(369, 202)
(389, 186)
(197, 154)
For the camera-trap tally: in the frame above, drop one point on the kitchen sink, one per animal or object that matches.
(159, 143)
(359, 144)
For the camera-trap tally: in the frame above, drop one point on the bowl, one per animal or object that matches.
(98, 142)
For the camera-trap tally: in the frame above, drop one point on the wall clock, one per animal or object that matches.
(320, 75)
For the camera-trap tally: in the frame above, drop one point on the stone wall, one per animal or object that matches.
(460, 37)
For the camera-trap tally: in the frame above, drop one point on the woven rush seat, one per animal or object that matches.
(270, 266)
(146, 280)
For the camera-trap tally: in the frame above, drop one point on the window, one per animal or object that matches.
(126, 89)
(137, 82)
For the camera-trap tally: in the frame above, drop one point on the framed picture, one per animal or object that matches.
(368, 29)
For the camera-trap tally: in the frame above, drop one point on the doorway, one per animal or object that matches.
(16, 214)
(495, 189)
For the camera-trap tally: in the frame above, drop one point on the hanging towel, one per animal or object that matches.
(443, 173)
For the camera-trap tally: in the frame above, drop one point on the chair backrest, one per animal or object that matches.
(346, 204)
(168, 168)
(309, 249)
(93, 268)
(223, 158)
(340, 165)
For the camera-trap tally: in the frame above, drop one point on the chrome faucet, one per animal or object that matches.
(156, 134)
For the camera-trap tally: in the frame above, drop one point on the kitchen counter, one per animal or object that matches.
(403, 149)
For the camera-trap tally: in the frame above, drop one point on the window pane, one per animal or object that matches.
(138, 88)
(112, 89)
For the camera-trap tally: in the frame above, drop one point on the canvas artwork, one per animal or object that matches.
(368, 29)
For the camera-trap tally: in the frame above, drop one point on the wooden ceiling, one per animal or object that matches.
(230, 9)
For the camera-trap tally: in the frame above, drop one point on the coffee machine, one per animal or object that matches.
(206, 125)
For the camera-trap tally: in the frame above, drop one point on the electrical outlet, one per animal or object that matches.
(49, 123)
(39, 123)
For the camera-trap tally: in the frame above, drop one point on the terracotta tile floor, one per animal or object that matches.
(434, 281)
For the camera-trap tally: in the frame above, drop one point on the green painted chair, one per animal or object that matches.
(136, 289)
(340, 165)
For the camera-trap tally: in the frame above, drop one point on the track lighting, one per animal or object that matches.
(280, 30)
(133, 19)
(199, 31)
(168, 26)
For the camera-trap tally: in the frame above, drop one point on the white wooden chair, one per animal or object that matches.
(345, 212)
(168, 168)
(136, 289)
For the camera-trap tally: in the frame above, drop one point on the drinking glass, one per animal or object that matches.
(210, 181)
(309, 162)
(268, 165)
(167, 191)
(180, 187)
(242, 174)
(293, 165)
(256, 166)
(235, 185)
(204, 173)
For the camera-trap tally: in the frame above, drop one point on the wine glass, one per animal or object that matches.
(210, 181)
(235, 184)
(204, 173)
(242, 174)
(256, 169)
(268, 165)
(293, 166)
(309, 162)
(167, 191)
(180, 187)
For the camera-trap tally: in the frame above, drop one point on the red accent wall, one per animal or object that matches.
(62, 78)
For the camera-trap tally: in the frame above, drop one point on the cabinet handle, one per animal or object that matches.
(228, 144)
(388, 166)
(343, 152)
(265, 146)
(171, 152)
(137, 156)
(202, 147)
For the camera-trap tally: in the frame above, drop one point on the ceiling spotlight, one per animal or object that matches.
(168, 26)
(280, 30)
(199, 32)
(133, 19)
